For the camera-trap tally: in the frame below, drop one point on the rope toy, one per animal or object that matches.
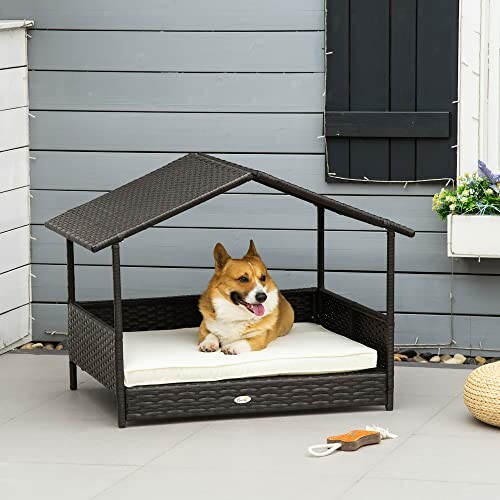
(351, 441)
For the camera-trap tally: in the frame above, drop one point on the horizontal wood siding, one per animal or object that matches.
(208, 132)
(264, 52)
(14, 249)
(13, 47)
(187, 15)
(14, 208)
(272, 211)
(13, 129)
(415, 292)
(13, 88)
(14, 289)
(206, 92)
(51, 171)
(121, 88)
(294, 249)
(12, 324)
(11, 175)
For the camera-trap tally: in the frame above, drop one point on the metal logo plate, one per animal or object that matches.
(241, 400)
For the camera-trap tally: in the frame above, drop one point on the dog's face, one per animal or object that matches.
(244, 282)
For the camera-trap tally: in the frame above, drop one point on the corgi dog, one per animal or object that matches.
(242, 308)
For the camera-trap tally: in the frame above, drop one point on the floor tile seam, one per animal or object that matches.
(442, 481)
(404, 440)
(172, 447)
(117, 482)
(36, 407)
(76, 464)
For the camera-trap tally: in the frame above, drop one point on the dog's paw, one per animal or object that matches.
(210, 343)
(236, 347)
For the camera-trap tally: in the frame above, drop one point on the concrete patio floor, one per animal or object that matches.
(56, 444)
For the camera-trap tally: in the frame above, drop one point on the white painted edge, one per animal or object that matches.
(20, 337)
(468, 94)
(484, 5)
(14, 24)
(479, 85)
(16, 344)
(492, 153)
(451, 223)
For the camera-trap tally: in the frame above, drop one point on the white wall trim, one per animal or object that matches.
(469, 84)
(15, 268)
(479, 85)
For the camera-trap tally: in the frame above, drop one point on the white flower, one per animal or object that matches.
(489, 191)
(452, 207)
(465, 192)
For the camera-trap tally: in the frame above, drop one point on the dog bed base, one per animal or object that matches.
(93, 348)
(264, 395)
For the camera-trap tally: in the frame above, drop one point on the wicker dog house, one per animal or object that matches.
(96, 328)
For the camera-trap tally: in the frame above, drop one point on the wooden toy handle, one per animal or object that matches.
(355, 439)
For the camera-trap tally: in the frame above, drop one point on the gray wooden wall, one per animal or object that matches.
(121, 87)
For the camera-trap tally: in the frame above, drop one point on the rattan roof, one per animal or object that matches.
(173, 189)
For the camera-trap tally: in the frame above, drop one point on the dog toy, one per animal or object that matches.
(351, 441)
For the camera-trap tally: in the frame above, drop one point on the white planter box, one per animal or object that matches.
(474, 236)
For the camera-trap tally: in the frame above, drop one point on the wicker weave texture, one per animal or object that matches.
(355, 322)
(92, 345)
(92, 338)
(172, 189)
(168, 313)
(268, 395)
(482, 393)
(92, 348)
(148, 200)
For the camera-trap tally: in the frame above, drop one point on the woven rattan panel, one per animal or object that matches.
(148, 200)
(168, 313)
(357, 323)
(269, 395)
(92, 345)
(165, 313)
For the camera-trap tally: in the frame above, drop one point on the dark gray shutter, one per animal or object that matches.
(391, 83)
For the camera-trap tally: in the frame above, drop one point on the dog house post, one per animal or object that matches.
(321, 248)
(390, 317)
(70, 262)
(320, 260)
(118, 327)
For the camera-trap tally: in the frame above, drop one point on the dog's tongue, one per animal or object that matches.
(258, 309)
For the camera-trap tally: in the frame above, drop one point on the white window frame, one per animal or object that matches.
(479, 85)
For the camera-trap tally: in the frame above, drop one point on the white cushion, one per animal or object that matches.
(172, 356)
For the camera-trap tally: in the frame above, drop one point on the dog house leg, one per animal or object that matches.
(72, 376)
(70, 261)
(320, 262)
(118, 326)
(390, 319)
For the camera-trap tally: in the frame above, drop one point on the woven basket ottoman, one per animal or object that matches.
(482, 393)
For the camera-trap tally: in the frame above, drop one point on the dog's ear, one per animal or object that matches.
(252, 251)
(220, 256)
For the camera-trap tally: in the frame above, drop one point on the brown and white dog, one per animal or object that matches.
(242, 308)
